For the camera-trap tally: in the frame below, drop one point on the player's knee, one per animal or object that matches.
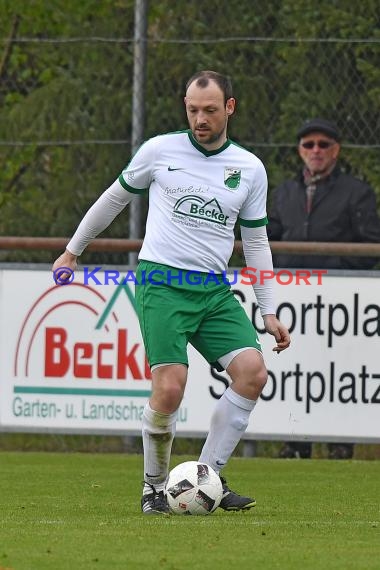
(261, 378)
(256, 382)
(253, 384)
(172, 392)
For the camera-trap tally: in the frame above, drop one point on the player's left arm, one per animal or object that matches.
(258, 256)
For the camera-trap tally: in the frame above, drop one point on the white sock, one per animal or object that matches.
(158, 431)
(228, 423)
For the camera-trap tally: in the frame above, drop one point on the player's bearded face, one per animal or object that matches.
(207, 114)
(208, 134)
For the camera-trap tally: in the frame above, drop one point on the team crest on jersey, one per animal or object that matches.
(232, 177)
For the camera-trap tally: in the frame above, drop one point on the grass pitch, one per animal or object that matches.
(82, 512)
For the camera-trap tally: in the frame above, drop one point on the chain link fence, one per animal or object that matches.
(68, 93)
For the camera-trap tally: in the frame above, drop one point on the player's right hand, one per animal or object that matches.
(67, 261)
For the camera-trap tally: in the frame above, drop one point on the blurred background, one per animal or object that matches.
(83, 84)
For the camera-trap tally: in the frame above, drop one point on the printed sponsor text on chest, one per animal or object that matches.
(183, 190)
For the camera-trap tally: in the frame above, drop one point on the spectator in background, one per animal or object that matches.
(322, 203)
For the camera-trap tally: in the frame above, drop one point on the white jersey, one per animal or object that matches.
(195, 199)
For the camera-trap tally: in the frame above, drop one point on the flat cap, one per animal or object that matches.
(319, 126)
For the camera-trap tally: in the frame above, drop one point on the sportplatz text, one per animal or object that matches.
(249, 275)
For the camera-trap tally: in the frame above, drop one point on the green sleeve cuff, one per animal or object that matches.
(253, 223)
(130, 188)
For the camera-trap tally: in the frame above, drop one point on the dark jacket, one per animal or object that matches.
(343, 210)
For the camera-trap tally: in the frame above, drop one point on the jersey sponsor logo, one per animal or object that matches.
(197, 207)
(185, 190)
(232, 177)
(172, 169)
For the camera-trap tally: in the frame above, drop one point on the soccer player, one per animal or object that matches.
(200, 185)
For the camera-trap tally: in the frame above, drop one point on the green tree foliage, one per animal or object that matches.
(293, 66)
(57, 96)
(289, 60)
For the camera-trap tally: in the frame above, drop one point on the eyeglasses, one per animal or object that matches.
(320, 144)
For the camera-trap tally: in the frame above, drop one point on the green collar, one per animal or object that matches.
(202, 148)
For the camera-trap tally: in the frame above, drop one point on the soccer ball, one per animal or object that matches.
(193, 488)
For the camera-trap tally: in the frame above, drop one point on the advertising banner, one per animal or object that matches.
(72, 358)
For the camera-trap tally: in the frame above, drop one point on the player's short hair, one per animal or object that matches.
(203, 78)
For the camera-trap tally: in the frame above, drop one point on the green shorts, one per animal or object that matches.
(176, 307)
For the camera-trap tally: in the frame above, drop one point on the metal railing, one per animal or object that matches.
(134, 245)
